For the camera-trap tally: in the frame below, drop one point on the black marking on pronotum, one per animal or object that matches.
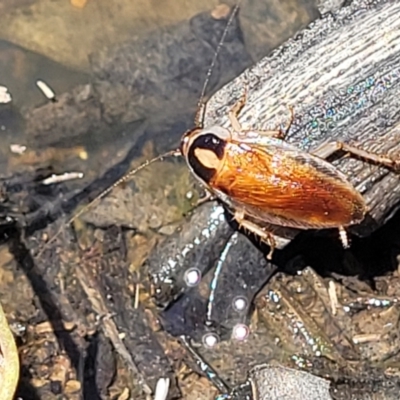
(210, 143)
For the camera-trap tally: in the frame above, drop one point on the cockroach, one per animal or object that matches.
(265, 181)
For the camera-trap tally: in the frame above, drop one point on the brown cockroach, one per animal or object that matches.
(264, 180)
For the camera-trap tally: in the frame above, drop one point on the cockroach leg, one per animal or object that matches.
(234, 112)
(344, 238)
(207, 197)
(283, 132)
(327, 149)
(264, 235)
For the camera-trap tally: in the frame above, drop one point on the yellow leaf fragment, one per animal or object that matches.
(9, 361)
(78, 3)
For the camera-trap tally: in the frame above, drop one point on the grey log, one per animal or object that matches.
(342, 76)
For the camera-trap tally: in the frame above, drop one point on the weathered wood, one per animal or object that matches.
(342, 76)
(197, 245)
(72, 284)
(110, 288)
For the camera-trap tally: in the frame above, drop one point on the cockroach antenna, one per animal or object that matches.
(201, 105)
(199, 122)
(171, 153)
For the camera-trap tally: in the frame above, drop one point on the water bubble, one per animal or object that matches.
(240, 332)
(240, 303)
(192, 277)
(210, 340)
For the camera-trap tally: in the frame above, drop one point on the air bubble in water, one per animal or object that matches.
(240, 332)
(192, 277)
(210, 340)
(239, 304)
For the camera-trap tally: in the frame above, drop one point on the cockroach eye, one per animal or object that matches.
(205, 155)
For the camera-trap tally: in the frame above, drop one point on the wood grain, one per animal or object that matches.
(342, 76)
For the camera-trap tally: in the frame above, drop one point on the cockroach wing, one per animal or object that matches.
(284, 186)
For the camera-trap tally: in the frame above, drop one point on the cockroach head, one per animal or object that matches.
(204, 150)
(210, 137)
